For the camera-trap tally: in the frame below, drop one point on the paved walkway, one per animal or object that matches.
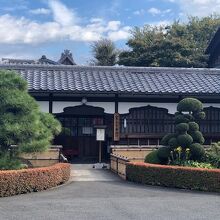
(101, 195)
(86, 172)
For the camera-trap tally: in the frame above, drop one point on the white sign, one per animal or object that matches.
(100, 134)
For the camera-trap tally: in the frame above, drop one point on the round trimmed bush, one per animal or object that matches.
(197, 137)
(189, 117)
(189, 105)
(200, 115)
(173, 143)
(166, 138)
(184, 140)
(181, 119)
(163, 152)
(182, 127)
(152, 157)
(193, 126)
(197, 151)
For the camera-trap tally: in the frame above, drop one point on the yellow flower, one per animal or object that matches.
(179, 149)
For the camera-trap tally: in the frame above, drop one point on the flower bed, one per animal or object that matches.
(13, 182)
(174, 176)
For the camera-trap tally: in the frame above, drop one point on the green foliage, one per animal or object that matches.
(197, 137)
(189, 105)
(7, 163)
(173, 143)
(200, 115)
(180, 118)
(166, 138)
(193, 126)
(152, 158)
(104, 53)
(213, 155)
(182, 128)
(21, 122)
(189, 117)
(192, 163)
(176, 45)
(187, 134)
(66, 131)
(197, 151)
(184, 140)
(163, 153)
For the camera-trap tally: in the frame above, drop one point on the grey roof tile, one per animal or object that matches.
(145, 80)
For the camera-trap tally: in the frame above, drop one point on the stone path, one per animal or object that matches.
(86, 172)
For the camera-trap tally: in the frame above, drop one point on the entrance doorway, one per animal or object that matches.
(78, 137)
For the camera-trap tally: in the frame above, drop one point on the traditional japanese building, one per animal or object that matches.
(136, 105)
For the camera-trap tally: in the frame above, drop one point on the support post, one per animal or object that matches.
(51, 103)
(100, 151)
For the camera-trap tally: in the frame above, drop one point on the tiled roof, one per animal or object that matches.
(132, 80)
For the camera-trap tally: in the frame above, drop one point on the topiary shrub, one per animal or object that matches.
(184, 140)
(189, 105)
(163, 153)
(187, 136)
(197, 151)
(152, 157)
(197, 137)
(173, 143)
(193, 126)
(166, 138)
(182, 128)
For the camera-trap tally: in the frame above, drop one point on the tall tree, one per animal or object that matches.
(175, 45)
(104, 53)
(21, 121)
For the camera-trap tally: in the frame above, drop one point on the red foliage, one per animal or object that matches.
(13, 182)
(174, 176)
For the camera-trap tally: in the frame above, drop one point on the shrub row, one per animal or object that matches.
(13, 182)
(174, 176)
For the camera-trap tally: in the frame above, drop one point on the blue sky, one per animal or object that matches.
(31, 28)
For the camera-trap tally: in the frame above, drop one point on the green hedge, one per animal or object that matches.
(174, 176)
(13, 182)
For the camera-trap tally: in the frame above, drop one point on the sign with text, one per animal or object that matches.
(116, 127)
(100, 134)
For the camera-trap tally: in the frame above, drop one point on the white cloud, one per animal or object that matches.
(154, 11)
(64, 26)
(40, 11)
(61, 13)
(198, 7)
(139, 12)
(122, 34)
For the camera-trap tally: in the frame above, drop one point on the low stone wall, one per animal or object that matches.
(43, 159)
(132, 153)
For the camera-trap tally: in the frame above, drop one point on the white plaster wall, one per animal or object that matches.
(44, 106)
(59, 106)
(124, 107)
(217, 105)
(108, 106)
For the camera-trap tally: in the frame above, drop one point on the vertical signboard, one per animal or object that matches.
(116, 127)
